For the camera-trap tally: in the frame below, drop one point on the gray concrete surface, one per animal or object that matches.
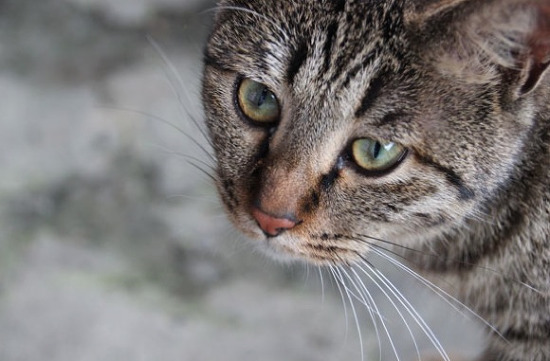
(112, 246)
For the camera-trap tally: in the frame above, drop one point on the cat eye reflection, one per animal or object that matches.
(375, 156)
(258, 103)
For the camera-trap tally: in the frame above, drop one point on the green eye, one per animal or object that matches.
(258, 103)
(375, 156)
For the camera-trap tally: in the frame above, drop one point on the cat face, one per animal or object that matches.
(339, 123)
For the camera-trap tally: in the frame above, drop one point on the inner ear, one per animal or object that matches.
(532, 76)
(537, 60)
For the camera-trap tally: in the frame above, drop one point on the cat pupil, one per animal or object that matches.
(376, 150)
(262, 98)
(258, 97)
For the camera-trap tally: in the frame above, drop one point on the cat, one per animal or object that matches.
(344, 128)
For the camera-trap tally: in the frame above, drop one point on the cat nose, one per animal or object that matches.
(273, 226)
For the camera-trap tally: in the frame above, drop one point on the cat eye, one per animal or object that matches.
(258, 103)
(375, 156)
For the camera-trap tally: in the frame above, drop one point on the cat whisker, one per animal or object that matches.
(444, 295)
(397, 254)
(321, 280)
(195, 162)
(364, 237)
(306, 278)
(415, 315)
(338, 274)
(222, 215)
(171, 67)
(394, 305)
(407, 306)
(370, 241)
(196, 199)
(171, 73)
(204, 171)
(357, 297)
(373, 315)
(165, 122)
(203, 133)
(186, 157)
(339, 271)
(346, 316)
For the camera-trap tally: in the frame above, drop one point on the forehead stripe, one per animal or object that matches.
(373, 91)
(332, 31)
(297, 61)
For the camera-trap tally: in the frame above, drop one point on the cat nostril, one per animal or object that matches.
(272, 226)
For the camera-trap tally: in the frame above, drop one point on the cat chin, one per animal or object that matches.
(286, 257)
(278, 255)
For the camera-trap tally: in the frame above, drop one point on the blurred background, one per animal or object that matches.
(113, 245)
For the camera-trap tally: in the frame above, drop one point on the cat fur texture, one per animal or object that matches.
(461, 85)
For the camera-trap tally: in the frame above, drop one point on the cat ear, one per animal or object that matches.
(510, 35)
(516, 34)
(505, 41)
(420, 11)
(535, 62)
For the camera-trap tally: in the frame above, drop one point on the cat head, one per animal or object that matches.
(339, 122)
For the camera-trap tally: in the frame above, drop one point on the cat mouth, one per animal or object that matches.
(289, 239)
(292, 247)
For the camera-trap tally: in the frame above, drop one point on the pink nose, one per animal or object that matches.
(272, 226)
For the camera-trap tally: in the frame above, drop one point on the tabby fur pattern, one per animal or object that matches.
(461, 84)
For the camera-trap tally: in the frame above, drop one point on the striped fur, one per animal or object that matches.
(462, 84)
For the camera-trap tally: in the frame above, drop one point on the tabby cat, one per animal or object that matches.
(344, 127)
